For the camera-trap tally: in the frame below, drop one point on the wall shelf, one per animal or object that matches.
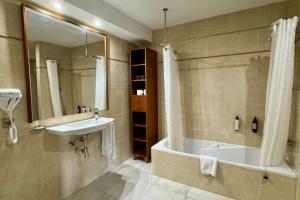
(138, 65)
(140, 125)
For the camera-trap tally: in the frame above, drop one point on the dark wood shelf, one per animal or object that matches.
(140, 153)
(139, 80)
(143, 75)
(134, 95)
(140, 139)
(140, 125)
(138, 65)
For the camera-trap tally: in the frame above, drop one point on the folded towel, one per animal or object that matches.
(108, 141)
(208, 165)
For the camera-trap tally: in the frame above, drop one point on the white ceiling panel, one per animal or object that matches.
(149, 12)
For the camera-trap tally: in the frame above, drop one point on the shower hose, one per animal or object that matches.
(13, 132)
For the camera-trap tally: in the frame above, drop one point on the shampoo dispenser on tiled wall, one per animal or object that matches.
(236, 124)
(254, 125)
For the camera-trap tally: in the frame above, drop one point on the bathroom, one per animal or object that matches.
(222, 62)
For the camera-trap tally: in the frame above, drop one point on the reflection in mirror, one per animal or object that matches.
(67, 67)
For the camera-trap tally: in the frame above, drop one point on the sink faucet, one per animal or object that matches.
(96, 112)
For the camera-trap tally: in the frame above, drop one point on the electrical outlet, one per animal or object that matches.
(6, 123)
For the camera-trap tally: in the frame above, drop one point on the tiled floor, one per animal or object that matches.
(133, 181)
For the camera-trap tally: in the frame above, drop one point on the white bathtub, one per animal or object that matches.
(238, 155)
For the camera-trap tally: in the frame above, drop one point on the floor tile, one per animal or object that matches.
(172, 186)
(158, 193)
(133, 181)
(198, 194)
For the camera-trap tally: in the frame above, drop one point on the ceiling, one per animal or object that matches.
(41, 27)
(149, 12)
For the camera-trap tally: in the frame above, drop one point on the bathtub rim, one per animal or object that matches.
(284, 169)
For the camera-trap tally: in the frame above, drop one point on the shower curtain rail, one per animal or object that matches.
(233, 54)
(221, 55)
(10, 37)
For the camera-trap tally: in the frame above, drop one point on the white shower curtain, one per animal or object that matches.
(54, 87)
(172, 99)
(100, 94)
(279, 93)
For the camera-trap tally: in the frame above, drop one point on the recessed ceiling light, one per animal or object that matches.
(98, 23)
(57, 5)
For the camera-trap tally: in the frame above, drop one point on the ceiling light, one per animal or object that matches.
(98, 23)
(57, 5)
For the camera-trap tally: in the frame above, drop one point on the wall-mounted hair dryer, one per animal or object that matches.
(9, 99)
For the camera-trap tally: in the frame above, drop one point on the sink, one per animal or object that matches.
(81, 127)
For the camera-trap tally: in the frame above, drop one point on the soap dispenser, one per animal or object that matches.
(254, 125)
(237, 123)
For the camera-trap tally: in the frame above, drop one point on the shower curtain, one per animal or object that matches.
(172, 99)
(279, 93)
(54, 87)
(100, 93)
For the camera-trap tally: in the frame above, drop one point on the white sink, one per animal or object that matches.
(81, 127)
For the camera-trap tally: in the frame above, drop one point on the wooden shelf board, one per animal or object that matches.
(139, 153)
(134, 95)
(139, 80)
(140, 125)
(140, 139)
(137, 65)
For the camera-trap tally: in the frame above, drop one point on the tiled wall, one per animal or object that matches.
(75, 75)
(236, 182)
(41, 165)
(84, 74)
(45, 51)
(295, 130)
(217, 89)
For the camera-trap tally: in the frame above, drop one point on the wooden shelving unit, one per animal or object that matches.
(143, 76)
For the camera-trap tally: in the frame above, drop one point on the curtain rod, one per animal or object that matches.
(223, 55)
(165, 27)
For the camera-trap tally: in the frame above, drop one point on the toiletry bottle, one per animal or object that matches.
(78, 109)
(237, 123)
(254, 125)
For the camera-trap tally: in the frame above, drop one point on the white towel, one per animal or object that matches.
(54, 87)
(108, 142)
(100, 94)
(208, 165)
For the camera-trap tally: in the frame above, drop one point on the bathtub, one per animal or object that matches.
(238, 173)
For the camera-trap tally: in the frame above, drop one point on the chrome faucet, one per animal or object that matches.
(96, 112)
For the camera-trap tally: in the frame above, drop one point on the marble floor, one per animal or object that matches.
(133, 181)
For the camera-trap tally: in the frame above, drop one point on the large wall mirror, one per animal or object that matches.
(66, 66)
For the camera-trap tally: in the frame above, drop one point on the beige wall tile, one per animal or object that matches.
(245, 19)
(233, 181)
(218, 45)
(177, 33)
(277, 187)
(242, 184)
(21, 169)
(246, 41)
(293, 10)
(41, 165)
(218, 25)
(10, 20)
(215, 90)
(195, 29)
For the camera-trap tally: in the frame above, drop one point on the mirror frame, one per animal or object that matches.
(26, 47)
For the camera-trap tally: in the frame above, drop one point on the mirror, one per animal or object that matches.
(66, 67)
